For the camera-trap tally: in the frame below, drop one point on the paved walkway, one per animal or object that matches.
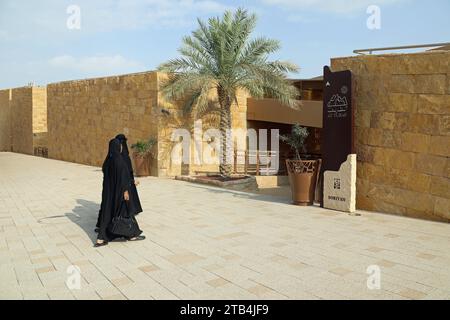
(203, 243)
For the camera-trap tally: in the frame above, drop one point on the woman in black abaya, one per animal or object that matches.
(134, 203)
(115, 197)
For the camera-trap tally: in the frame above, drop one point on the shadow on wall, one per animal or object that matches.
(85, 215)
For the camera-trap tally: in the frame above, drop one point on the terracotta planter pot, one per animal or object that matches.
(141, 165)
(303, 176)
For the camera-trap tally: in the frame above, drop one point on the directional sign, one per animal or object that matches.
(338, 159)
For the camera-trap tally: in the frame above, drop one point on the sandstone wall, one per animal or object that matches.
(39, 109)
(22, 119)
(39, 118)
(5, 120)
(84, 115)
(402, 123)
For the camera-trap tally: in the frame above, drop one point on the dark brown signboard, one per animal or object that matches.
(338, 120)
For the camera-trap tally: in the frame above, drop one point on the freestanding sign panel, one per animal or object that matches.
(339, 161)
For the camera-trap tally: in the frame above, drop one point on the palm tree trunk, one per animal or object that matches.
(225, 132)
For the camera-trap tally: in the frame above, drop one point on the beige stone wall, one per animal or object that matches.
(39, 109)
(5, 120)
(402, 124)
(22, 119)
(84, 115)
(39, 117)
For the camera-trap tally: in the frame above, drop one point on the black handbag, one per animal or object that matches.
(121, 225)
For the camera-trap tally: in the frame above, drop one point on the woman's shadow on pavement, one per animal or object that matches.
(85, 215)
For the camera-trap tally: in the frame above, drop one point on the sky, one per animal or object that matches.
(43, 42)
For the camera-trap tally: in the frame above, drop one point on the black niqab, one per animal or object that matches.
(125, 152)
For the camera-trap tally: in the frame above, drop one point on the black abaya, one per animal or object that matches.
(116, 180)
(134, 205)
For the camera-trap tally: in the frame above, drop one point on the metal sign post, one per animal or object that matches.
(339, 159)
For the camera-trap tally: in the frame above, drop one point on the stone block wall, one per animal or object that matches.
(39, 109)
(402, 122)
(39, 118)
(5, 120)
(84, 115)
(27, 118)
(22, 120)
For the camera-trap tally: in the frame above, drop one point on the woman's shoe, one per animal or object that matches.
(138, 238)
(100, 244)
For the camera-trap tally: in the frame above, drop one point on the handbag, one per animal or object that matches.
(121, 225)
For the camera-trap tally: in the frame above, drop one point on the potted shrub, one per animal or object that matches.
(303, 174)
(142, 153)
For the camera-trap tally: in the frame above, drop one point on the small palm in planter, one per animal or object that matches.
(303, 174)
(142, 153)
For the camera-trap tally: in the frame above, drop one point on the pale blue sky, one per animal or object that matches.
(124, 36)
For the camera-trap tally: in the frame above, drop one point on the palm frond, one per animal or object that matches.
(182, 85)
(257, 50)
(220, 54)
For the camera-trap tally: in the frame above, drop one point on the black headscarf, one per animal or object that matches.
(116, 180)
(125, 152)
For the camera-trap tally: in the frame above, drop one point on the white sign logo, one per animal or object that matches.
(337, 106)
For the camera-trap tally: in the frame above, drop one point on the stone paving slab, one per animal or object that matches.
(203, 243)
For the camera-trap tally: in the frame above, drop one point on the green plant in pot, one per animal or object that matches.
(303, 174)
(143, 152)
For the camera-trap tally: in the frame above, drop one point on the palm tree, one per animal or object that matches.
(220, 57)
